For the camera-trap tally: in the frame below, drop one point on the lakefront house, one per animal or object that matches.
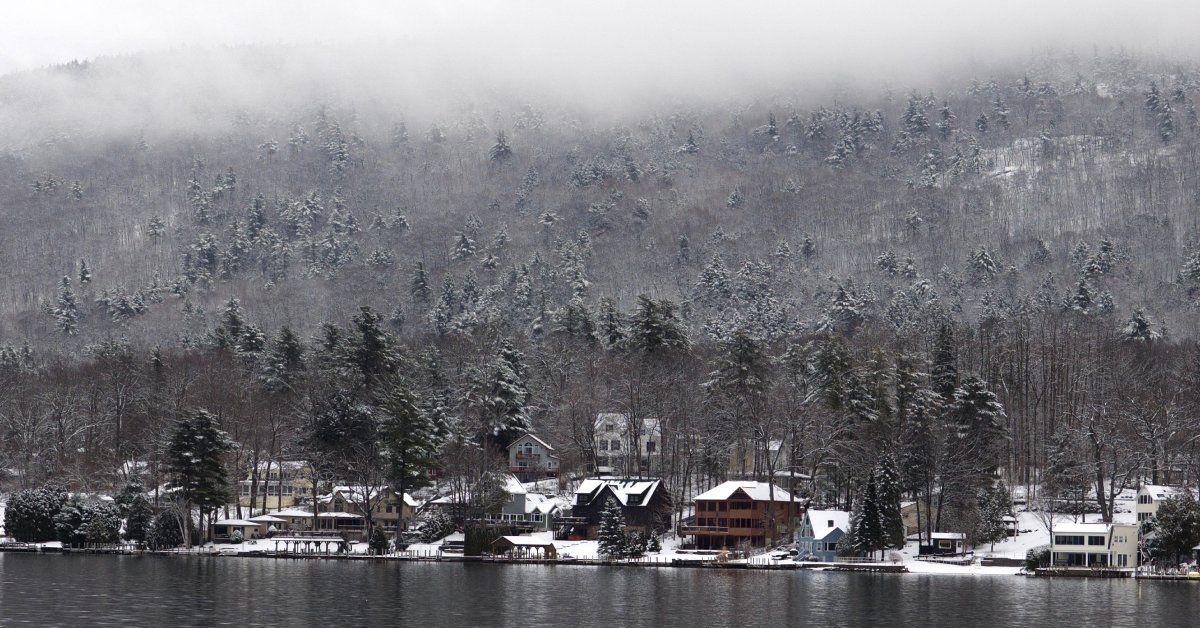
(736, 513)
(820, 533)
(1094, 545)
(645, 505)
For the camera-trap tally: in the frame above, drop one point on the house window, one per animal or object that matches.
(1122, 560)
(245, 489)
(650, 446)
(604, 445)
(615, 445)
(1095, 540)
(722, 506)
(1064, 539)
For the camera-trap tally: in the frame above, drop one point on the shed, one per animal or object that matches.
(524, 547)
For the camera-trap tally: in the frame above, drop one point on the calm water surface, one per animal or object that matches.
(156, 591)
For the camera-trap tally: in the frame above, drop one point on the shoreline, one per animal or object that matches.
(650, 561)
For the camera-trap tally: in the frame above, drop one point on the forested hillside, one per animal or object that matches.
(979, 272)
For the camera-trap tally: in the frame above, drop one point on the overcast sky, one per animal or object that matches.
(696, 32)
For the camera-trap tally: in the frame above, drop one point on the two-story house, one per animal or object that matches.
(531, 458)
(737, 513)
(1150, 496)
(645, 504)
(820, 533)
(276, 485)
(626, 447)
(1095, 545)
(525, 511)
(388, 509)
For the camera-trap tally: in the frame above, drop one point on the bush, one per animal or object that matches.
(29, 515)
(237, 537)
(1037, 557)
(378, 544)
(166, 530)
(101, 523)
(434, 525)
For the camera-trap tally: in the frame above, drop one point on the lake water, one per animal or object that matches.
(110, 590)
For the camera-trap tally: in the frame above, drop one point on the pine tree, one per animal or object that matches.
(284, 362)
(945, 359)
(888, 493)
(612, 324)
(409, 438)
(946, 125)
(66, 311)
(611, 536)
(655, 327)
(85, 273)
(500, 152)
(195, 462)
(419, 286)
(867, 531)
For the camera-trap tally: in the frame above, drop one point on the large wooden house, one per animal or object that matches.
(737, 513)
(645, 504)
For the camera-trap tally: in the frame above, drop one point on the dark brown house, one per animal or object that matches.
(645, 504)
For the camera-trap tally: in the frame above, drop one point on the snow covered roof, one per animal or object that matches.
(542, 504)
(513, 486)
(628, 492)
(1081, 528)
(292, 512)
(339, 515)
(948, 536)
(619, 422)
(267, 519)
(236, 522)
(1158, 491)
(824, 522)
(534, 437)
(757, 491)
(528, 541)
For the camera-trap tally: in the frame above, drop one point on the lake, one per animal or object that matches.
(151, 590)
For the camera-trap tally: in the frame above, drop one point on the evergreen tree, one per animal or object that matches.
(66, 312)
(29, 514)
(195, 462)
(409, 439)
(419, 286)
(138, 517)
(995, 504)
(655, 327)
(612, 324)
(284, 361)
(612, 538)
(945, 359)
(166, 530)
(85, 273)
(888, 487)
(500, 152)
(1176, 527)
(866, 523)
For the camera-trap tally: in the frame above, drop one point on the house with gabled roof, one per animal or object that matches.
(626, 446)
(388, 509)
(531, 458)
(1150, 496)
(737, 513)
(820, 533)
(645, 504)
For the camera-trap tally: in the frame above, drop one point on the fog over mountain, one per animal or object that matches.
(961, 242)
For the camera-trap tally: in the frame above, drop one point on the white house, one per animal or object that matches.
(531, 458)
(1094, 545)
(1149, 496)
(624, 450)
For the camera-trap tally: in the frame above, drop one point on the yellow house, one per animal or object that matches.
(280, 484)
(387, 508)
